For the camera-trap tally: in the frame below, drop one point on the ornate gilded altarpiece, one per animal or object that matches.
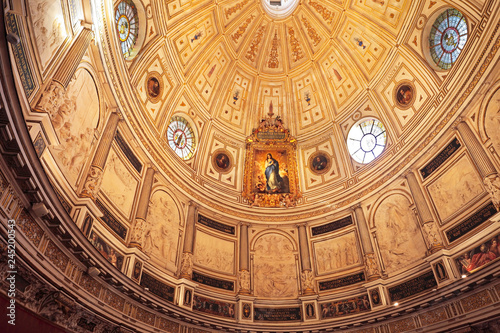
(271, 165)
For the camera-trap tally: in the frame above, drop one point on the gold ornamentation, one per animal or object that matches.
(252, 53)
(311, 32)
(235, 8)
(270, 178)
(297, 53)
(241, 30)
(326, 14)
(273, 56)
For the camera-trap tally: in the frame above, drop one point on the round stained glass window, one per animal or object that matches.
(447, 38)
(127, 25)
(366, 140)
(181, 138)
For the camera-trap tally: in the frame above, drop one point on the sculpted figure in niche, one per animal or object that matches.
(398, 235)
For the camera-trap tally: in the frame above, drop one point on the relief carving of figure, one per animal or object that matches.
(187, 264)
(492, 184)
(244, 280)
(307, 279)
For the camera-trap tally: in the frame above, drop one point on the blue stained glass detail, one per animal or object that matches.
(447, 38)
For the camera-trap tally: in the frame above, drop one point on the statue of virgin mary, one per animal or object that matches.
(273, 177)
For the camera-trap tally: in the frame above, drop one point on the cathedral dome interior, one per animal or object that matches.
(196, 166)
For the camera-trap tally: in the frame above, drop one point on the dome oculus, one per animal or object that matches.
(279, 9)
(181, 137)
(366, 140)
(127, 25)
(447, 38)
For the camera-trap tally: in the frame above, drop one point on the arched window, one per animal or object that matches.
(366, 140)
(181, 137)
(127, 25)
(447, 38)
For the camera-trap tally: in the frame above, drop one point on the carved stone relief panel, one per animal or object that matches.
(162, 229)
(399, 238)
(455, 188)
(336, 253)
(214, 252)
(492, 120)
(47, 19)
(118, 183)
(74, 116)
(274, 267)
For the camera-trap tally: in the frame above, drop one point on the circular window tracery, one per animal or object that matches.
(447, 38)
(127, 26)
(181, 137)
(366, 140)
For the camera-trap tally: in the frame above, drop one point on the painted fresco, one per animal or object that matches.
(74, 116)
(214, 253)
(162, 228)
(213, 307)
(107, 251)
(336, 253)
(118, 183)
(471, 261)
(275, 271)
(345, 307)
(455, 188)
(399, 238)
(48, 24)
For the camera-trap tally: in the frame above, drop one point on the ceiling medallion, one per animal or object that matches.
(319, 163)
(222, 161)
(404, 94)
(279, 9)
(270, 178)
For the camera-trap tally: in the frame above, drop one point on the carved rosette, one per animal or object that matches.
(244, 280)
(92, 183)
(138, 233)
(492, 184)
(187, 265)
(371, 266)
(307, 279)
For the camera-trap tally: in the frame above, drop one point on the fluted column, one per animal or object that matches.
(142, 210)
(486, 168)
(94, 177)
(307, 276)
(434, 240)
(371, 264)
(187, 253)
(72, 59)
(54, 93)
(244, 277)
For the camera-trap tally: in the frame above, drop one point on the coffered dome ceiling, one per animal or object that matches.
(323, 67)
(257, 163)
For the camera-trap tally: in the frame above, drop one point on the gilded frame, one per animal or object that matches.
(271, 151)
